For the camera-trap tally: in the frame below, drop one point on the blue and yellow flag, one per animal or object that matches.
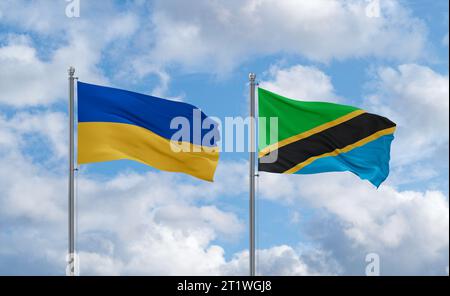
(116, 124)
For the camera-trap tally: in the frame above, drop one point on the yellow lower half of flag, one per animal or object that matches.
(107, 141)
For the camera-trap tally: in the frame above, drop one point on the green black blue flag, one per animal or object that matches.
(317, 137)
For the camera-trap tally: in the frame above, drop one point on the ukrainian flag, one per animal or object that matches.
(116, 124)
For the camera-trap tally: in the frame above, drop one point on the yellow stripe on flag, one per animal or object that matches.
(107, 141)
(348, 148)
(310, 132)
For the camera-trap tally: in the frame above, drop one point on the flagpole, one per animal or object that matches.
(252, 78)
(71, 254)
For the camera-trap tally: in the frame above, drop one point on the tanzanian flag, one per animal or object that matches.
(317, 137)
(117, 124)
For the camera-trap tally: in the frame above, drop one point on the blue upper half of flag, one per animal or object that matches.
(106, 104)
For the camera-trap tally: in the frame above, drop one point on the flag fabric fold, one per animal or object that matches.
(318, 137)
(116, 124)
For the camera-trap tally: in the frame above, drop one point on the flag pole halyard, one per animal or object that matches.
(252, 216)
(71, 255)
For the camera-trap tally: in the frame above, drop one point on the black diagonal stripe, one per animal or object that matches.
(336, 137)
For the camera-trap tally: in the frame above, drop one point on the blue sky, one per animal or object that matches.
(136, 220)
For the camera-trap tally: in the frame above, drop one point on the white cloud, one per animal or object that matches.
(50, 19)
(26, 193)
(373, 219)
(445, 40)
(209, 36)
(285, 260)
(25, 190)
(49, 127)
(44, 82)
(274, 261)
(218, 36)
(417, 99)
(225, 223)
(160, 249)
(300, 82)
(33, 15)
(19, 63)
(33, 73)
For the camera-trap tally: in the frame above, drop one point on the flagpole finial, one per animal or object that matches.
(252, 77)
(71, 71)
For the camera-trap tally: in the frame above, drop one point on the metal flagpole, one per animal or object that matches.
(252, 78)
(71, 255)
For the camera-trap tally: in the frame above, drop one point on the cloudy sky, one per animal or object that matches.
(133, 220)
